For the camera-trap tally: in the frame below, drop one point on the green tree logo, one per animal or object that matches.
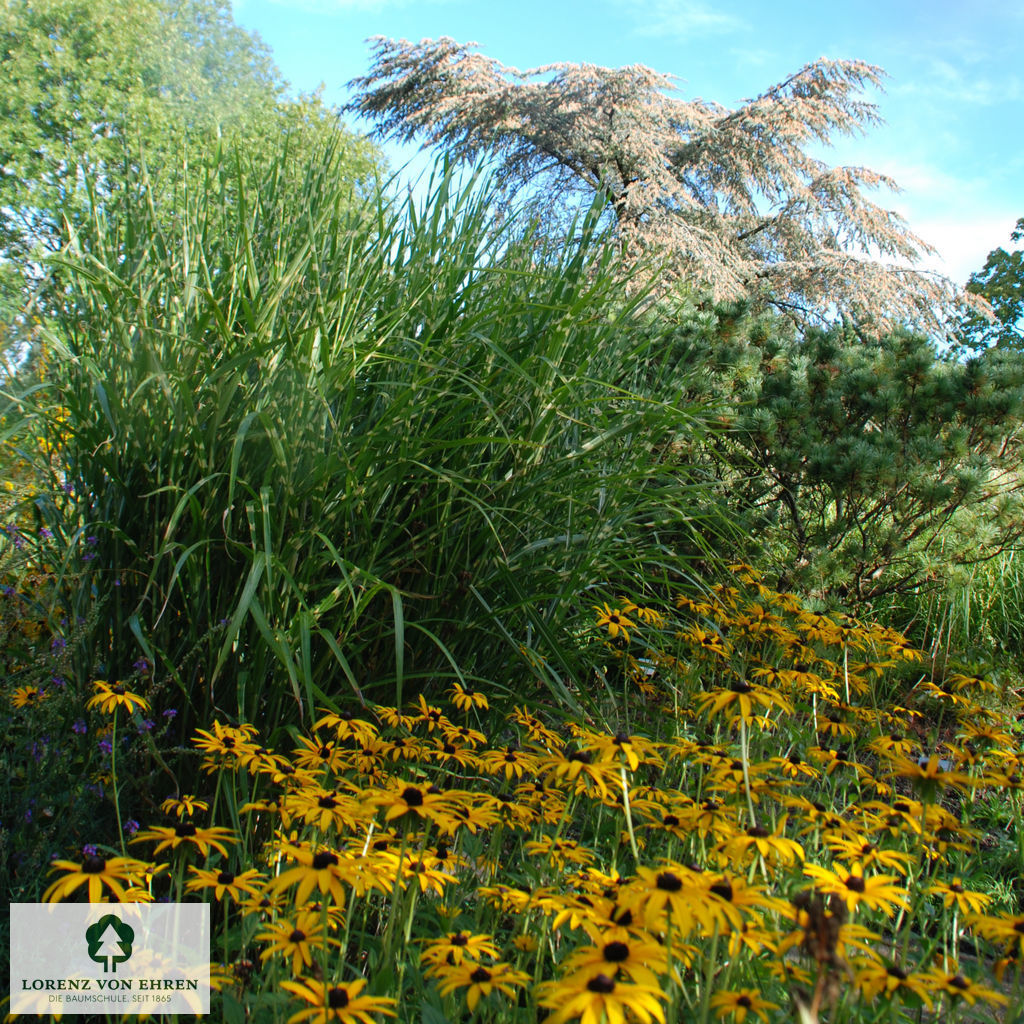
(110, 942)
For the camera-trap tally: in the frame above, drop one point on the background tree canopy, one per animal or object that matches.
(1001, 283)
(87, 81)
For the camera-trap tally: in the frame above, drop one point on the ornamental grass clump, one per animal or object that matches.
(681, 859)
(311, 448)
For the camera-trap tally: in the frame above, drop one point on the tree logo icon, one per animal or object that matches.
(110, 942)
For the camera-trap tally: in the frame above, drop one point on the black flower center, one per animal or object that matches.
(896, 972)
(480, 975)
(337, 998)
(93, 865)
(723, 890)
(757, 832)
(601, 984)
(412, 796)
(625, 919)
(184, 830)
(324, 859)
(745, 1002)
(225, 878)
(297, 936)
(460, 939)
(855, 883)
(960, 982)
(667, 882)
(670, 820)
(616, 952)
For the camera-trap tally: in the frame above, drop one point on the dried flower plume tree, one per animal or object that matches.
(732, 198)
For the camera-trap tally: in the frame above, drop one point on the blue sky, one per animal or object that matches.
(953, 101)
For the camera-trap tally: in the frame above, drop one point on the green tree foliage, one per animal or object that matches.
(86, 81)
(867, 466)
(1001, 283)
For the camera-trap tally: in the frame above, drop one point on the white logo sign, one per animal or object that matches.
(141, 958)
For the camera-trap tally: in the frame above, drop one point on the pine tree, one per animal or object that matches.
(863, 467)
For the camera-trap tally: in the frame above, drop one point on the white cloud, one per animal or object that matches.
(679, 19)
(753, 57)
(942, 81)
(955, 215)
(963, 241)
(340, 6)
(926, 182)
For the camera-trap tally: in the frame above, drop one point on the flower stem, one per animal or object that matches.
(629, 816)
(745, 758)
(113, 778)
